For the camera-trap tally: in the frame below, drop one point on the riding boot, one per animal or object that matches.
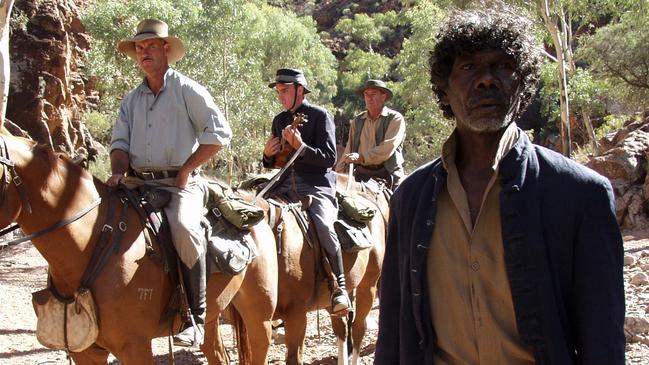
(195, 280)
(340, 302)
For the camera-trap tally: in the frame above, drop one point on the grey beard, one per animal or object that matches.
(495, 124)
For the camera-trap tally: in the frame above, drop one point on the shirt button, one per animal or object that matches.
(149, 125)
(475, 266)
(429, 222)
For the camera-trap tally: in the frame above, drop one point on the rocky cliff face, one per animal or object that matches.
(47, 92)
(624, 162)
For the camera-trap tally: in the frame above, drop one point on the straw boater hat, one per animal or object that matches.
(374, 84)
(290, 76)
(153, 28)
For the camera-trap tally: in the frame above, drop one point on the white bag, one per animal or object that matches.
(82, 326)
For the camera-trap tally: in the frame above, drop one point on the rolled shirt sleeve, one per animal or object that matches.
(206, 117)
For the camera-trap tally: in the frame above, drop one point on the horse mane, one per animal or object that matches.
(58, 161)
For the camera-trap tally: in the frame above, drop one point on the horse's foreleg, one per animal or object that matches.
(135, 351)
(295, 327)
(339, 325)
(257, 320)
(93, 355)
(213, 347)
(364, 300)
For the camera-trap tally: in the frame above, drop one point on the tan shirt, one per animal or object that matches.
(471, 303)
(372, 153)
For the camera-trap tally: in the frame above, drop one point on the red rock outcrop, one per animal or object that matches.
(624, 162)
(47, 92)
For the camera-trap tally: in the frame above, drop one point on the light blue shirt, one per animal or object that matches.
(161, 132)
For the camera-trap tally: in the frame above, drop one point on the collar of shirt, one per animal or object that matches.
(144, 86)
(454, 183)
(384, 112)
(507, 142)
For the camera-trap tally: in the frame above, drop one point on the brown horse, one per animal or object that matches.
(304, 288)
(132, 291)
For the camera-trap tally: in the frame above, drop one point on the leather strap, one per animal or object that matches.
(155, 175)
(56, 226)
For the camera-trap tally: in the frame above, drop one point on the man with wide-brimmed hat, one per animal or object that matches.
(375, 138)
(167, 128)
(311, 174)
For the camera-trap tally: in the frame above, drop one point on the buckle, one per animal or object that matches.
(147, 175)
(217, 212)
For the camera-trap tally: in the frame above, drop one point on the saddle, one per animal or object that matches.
(226, 224)
(354, 212)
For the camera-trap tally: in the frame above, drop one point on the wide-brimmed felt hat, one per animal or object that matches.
(290, 76)
(149, 29)
(374, 84)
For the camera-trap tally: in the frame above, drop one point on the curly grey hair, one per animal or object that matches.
(500, 28)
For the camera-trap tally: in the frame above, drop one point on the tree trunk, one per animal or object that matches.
(572, 70)
(5, 16)
(564, 102)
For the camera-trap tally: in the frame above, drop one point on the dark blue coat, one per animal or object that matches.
(319, 134)
(563, 256)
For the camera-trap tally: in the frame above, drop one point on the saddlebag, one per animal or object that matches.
(353, 236)
(230, 248)
(356, 208)
(65, 324)
(240, 213)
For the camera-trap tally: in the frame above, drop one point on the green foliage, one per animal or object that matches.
(100, 168)
(426, 127)
(230, 50)
(369, 30)
(99, 126)
(619, 55)
(612, 123)
(586, 93)
(361, 28)
(549, 92)
(356, 68)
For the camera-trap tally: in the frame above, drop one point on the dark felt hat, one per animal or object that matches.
(290, 76)
(374, 84)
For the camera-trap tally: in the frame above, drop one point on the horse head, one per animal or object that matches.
(13, 198)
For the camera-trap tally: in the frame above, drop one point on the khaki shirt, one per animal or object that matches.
(372, 153)
(161, 132)
(471, 302)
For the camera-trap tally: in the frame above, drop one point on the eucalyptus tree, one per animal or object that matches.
(363, 33)
(426, 127)
(619, 55)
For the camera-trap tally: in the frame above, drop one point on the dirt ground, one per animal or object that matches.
(23, 271)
